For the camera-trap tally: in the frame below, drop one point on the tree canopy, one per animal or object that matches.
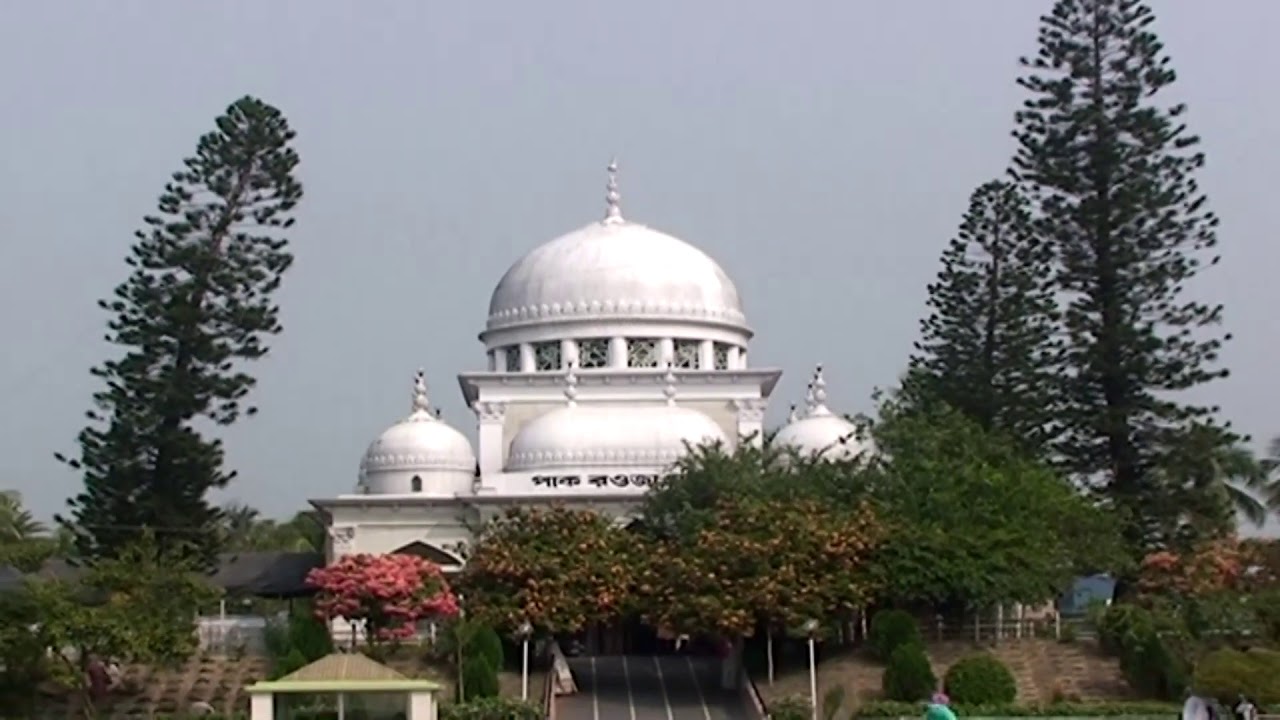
(557, 568)
(973, 520)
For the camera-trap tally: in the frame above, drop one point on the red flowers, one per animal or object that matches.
(390, 593)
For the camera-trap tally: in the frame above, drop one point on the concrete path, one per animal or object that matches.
(640, 687)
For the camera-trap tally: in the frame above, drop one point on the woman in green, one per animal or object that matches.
(936, 711)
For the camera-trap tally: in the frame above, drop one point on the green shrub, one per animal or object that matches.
(795, 707)
(309, 634)
(891, 629)
(293, 661)
(484, 640)
(479, 678)
(909, 676)
(1226, 674)
(1163, 711)
(491, 708)
(980, 680)
(1153, 665)
(1117, 622)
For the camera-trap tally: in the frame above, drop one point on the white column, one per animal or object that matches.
(490, 420)
(422, 706)
(733, 357)
(262, 706)
(526, 357)
(666, 351)
(617, 352)
(500, 360)
(707, 355)
(568, 352)
(751, 419)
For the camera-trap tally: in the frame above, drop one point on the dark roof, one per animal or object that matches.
(259, 574)
(267, 574)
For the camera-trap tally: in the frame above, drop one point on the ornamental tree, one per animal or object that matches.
(557, 568)
(388, 593)
(760, 560)
(1214, 567)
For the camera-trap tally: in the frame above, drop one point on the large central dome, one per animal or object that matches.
(615, 269)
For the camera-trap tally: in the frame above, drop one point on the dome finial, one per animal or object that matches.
(421, 401)
(819, 392)
(571, 384)
(809, 401)
(793, 415)
(613, 216)
(670, 389)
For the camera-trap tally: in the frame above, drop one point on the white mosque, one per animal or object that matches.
(610, 351)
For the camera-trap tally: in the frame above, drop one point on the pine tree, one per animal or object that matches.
(1109, 165)
(986, 344)
(197, 305)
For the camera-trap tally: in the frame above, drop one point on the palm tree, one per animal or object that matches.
(1233, 474)
(17, 524)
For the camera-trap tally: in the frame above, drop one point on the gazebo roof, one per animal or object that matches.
(345, 673)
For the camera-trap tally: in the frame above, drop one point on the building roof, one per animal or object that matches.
(344, 672)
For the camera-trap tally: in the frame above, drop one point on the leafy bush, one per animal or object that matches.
(1117, 622)
(795, 707)
(1152, 665)
(479, 678)
(491, 708)
(981, 679)
(1226, 674)
(293, 661)
(1131, 710)
(483, 640)
(909, 676)
(891, 629)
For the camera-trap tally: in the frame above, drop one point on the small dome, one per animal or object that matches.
(420, 454)
(611, 436)
(819, 431)
(614, 269)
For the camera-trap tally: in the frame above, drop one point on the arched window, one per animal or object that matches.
(415, 485)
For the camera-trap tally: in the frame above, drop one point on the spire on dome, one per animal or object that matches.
(793, 415)
(421, 402)
(613, 216)
(571, 385)
(809, 402)
(670, 385)
(819, 386)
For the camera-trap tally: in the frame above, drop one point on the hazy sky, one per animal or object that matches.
(823, 152)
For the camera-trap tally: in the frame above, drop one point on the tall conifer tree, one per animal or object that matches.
(986, 346)
(1109, 164)
(196, 306)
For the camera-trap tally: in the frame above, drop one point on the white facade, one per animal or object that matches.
(609, 351)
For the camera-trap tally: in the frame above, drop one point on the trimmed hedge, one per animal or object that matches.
(493, 708)
(479, 678)
(1165, 711)
(981, 679)
(909, 676)
(1226, 674)
(889, 630)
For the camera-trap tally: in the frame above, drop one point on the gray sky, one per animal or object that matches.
(823, 153)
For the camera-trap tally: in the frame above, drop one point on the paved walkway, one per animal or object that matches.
(639, 687)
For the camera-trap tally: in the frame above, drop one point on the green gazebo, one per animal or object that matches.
(344, 686)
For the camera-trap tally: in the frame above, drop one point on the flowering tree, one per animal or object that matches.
(389, 593)
(1213, 567)
(557, 568)
(778, 561)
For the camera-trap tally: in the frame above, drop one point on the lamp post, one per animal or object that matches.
(811, 629)
(525, 631)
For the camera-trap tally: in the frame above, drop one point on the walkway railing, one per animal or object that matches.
(752, 699)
